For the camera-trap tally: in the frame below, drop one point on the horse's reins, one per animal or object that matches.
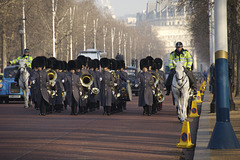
(180, 79)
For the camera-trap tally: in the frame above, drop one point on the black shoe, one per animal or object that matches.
(168, 92)
(195, 92)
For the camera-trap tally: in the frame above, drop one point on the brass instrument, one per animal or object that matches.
(52, 78)
(95, 91)
(115, 89)
(156, 78)
(159, 95)
(52, 75)
(86, 82)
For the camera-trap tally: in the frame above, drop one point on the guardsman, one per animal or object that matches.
(41, 80)
(146, 86)
(33, 85)
(28, 59)
(162, 79)
(124, 80)
(98, 82)
(59, 86)
(84, 70)
(93, 89)
(106, 86)
(181, 54)
(72, 87)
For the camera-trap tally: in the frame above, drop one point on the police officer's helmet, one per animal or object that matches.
(179, 45)
(26, 50)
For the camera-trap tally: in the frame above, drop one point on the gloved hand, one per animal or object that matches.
(188, 69)
(173, 69)
(9, 62)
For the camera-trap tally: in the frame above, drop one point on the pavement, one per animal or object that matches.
(207, 122)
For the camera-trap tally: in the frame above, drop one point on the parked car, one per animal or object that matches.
(8, 89)
(1, 77)
(132, 75)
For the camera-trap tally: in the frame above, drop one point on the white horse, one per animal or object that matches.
(24, 81)
(181, 90)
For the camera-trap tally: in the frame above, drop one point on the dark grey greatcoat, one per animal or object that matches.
(72, 88)
(106, 91)
(123, 76)
(145, 81)
(162, 79)
(41, 79)
(83, 71)
(91, 97)
(98, 75)
(33, 86)
(61, 78)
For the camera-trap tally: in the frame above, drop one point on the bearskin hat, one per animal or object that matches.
(143, 63)
(64, 66)
(56, 64)
(158, 61)
(34, 63)
(104, 62)
(83, 59)
(79, 63)
(150, 60)
(92, 64)
(118, 64)
(72, 65)
(97, 63)
(39, 62)
(155, 66)
(122, 63)
(113, 64)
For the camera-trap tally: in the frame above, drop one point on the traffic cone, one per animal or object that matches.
(201, 90)
(198, 98)
(185, 139)
(194, 110)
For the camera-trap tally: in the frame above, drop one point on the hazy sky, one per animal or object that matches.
(123, 7)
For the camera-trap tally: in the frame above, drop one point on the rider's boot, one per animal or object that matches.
(17, 83)
(167, 91)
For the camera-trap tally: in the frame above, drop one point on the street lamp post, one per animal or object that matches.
(21, 32)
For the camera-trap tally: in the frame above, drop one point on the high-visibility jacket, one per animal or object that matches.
(185, 57)
(28, 62)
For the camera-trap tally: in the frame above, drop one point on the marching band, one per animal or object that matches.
(85, 84)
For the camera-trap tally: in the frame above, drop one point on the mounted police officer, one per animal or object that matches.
(181, 54)
(28, 59)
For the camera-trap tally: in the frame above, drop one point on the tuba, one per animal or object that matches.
(52, 78)
(156, 78)
(86, 80)
(159, 96)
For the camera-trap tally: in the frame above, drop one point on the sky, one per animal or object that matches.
(124, 7)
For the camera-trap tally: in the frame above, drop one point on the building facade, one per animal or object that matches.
(168, 20)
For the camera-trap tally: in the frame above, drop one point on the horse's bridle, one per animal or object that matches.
(21, 79)
(183, 77)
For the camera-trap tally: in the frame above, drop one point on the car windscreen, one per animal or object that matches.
(10, 72)
(131, 72)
